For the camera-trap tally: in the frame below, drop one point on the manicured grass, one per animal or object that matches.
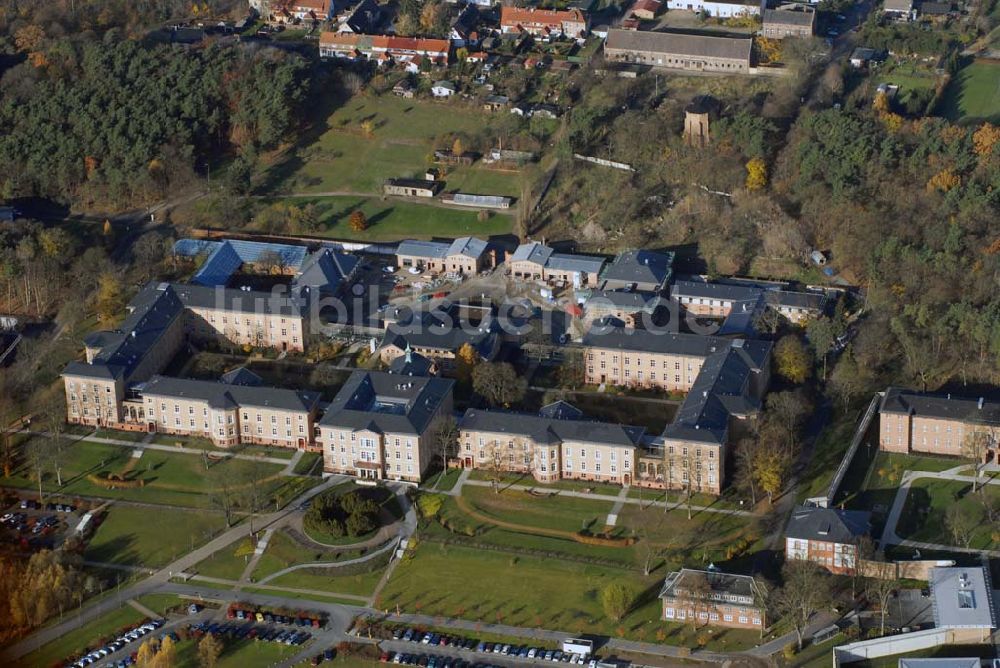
(360, 584)
(924, 515)
(160, 603)
(531, 592)
(392, 220)
(562, 513)
(85, 637)
(170, 479)
(623, 410)
(309, 463)
(239, 653)
(223, 564)
(443, 481)
(316, 596)
(974, 92)
(283, 551)
(404, 136)
(139, 536)
(597, 488)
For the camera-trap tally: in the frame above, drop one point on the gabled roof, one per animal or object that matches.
(547, 429)
(467, 247)
(710, 584)
(436, 330)
(942, 406)
(366, 17)
(789, 17)
(222, 395)
(387, 403)
(831, 525)
(560, 410)
(151, 313)
(432, 249)
(641, 266)
(326, 270)
(242, 376)
(411, 364)
(721, 389)
(701, 45)
(225, 257)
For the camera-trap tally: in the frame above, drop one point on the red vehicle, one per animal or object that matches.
(384, 658)
(441, 295)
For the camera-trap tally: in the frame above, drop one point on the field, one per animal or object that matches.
(924, 515)
(238, 654)
(393, 220)
(534, 592)
(404, 134)
(127, 536)
(84, 637)
(174, 479)
(974, 93)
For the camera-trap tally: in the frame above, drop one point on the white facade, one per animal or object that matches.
(718, 9)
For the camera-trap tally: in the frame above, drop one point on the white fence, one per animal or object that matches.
(898, 644)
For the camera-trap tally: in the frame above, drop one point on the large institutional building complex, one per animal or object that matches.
(384, 424)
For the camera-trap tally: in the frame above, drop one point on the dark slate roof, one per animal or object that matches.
(411, 364)
(542, 429)
(326, 270)
(561, 410)
(935, 8)
(721, 389)
(440, 331)
(789, 298)
(366, 18)
(654, 341)
(699, 45)
(151, 313)
(721, 586)
(433, 249)
(944, 406)
(639, 266)
(241, 301)
(221, 395)
(627, 301)
(387, 403)
(543, 255)
(828, 524)
(787, 17)
(708, 290)
(466, 21)
(241, 376)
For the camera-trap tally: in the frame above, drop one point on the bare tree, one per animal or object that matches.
(882, 581)
(975, 447)
(446, 440)
(252, 489)
(804, 592)
(865, 551)
(493, 462)
(647, 523)
(961, 525)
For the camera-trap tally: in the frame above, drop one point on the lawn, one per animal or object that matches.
(359, 584)
(161, 603)
(171, 479)
(239, 653)
(974, 93)
(84, 637)
(443, 481)
(924, 515)
(404, 135)
(391, 220)
(561, 513)
(223, 564)
(284, 551)
(533, 592)
(597, 488)
(128, 536)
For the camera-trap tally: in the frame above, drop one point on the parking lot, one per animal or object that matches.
(33, 525)
(417, 648)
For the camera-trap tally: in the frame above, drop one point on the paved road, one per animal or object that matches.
(160, 577)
